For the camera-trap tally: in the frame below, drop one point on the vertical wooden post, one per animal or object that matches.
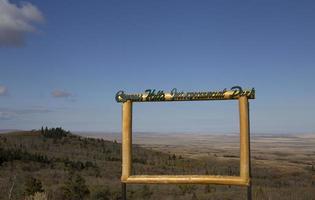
(249, 188)
(126, 140)
(244, 142)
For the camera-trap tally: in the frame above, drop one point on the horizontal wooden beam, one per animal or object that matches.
(186, 179)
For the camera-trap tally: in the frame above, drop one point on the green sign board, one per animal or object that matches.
(175, 95)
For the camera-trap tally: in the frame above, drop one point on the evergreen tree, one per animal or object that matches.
(75, 188)
(194, 197)
(33, 185)
(146, 192)
(103, 194)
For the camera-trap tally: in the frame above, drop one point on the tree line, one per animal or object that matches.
(56, 133)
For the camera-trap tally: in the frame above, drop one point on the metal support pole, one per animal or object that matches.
(249, 192)
(123, 191)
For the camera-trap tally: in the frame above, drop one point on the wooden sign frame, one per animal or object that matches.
(236, 93)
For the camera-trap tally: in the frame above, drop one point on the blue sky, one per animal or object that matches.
(67, 71)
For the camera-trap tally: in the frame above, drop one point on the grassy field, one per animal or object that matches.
(68, 166)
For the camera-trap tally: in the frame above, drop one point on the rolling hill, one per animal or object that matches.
(56, 164)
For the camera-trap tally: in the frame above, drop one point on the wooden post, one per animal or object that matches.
(245, 158)
(244, 142)
(126, 140)
(249, 188)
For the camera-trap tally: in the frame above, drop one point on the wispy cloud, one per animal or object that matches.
(60, 94)
(7, 114)
(3, 90)
(16, 21)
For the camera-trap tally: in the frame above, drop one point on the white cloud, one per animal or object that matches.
(3, 90)
(16, 21)
(61, 94)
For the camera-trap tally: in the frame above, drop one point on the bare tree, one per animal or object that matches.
(12, 186)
